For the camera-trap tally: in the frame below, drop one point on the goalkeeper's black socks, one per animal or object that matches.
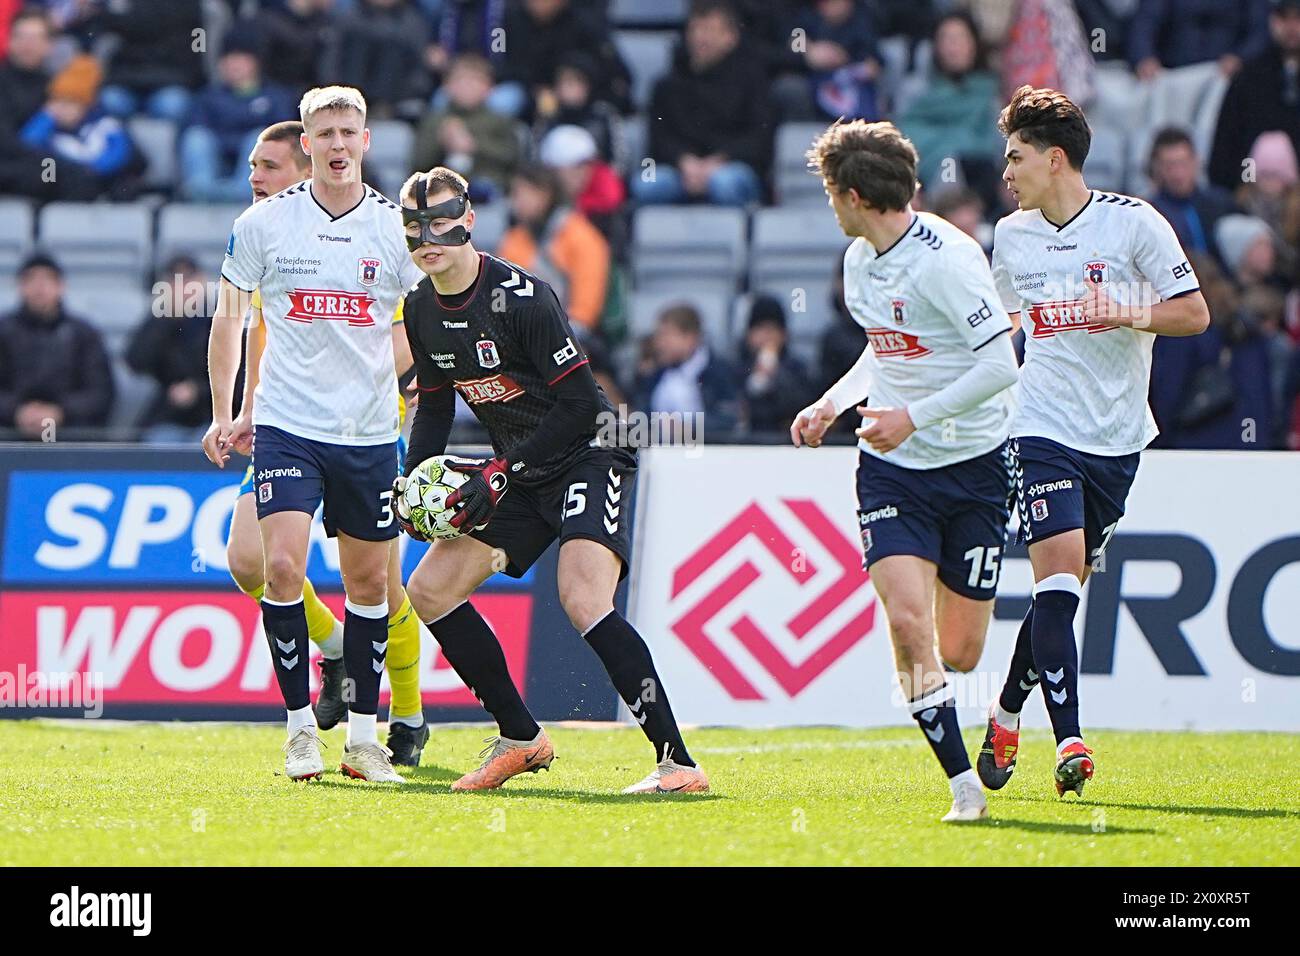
(1056, 657)
(365, 645)
(936, 713)
(631, 669)
(474, 653)
(286, 634)
(1022, 678)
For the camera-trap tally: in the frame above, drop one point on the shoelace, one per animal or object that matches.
(496, 746)
(297, 745)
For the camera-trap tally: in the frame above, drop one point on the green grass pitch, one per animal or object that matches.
(104, 793)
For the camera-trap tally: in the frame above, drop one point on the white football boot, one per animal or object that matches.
(968, 803)
(370, 761)
(302, 759)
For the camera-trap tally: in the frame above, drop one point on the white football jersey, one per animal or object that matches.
(329, 288)
(1083, 384)
(926, 303)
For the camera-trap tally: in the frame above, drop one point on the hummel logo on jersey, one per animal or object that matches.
(454, 325)
(323, 237)
(892, 344)
(487, 353)
(495, 388)
(866, 517)
(1047, 487)
(309, 305)
(1060, 247)
(569, 351)
(524, 291)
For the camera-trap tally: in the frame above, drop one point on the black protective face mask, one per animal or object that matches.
(425, 214)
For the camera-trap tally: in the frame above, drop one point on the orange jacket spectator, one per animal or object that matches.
(559, 244)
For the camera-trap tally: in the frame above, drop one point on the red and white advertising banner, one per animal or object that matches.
(749, 587)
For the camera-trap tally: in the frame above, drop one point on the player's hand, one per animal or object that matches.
(216, 442)
(478, 498)
(811, 424)
(412, 396)
(1099, 307)
(890, 427)
(241, 435)
(402, 511)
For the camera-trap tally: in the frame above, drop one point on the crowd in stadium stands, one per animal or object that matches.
(575, 121)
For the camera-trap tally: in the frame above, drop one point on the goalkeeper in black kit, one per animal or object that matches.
(483, 327)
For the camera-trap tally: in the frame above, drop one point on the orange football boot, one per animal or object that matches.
(504, 758)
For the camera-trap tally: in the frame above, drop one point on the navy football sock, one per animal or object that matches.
(936, 713)
(631, 669)
(475, 654)
(365, 645)
(1056, 657)
(286, 634)
(1022, 678)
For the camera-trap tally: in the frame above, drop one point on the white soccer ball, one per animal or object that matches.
(424, 502)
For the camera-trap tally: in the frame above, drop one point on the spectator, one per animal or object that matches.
(475, 26)
(776, 383)
(1043, 45)
(574, 105)
(1111, 19)
(92, 152)
(302, 40)
(228, 115)
(1192, 209)
(24, 75)
(171, 347)
(154, 66)
(1263, 96)
(467, 136)
(1218, 389)
(956, 116)
(558, 243)
(587, 182)
(839, 60)
(965, 210)
(680, 376)
(710, 129)
(382, 47)
(541, 34)
(54, 370)
(1165, 34)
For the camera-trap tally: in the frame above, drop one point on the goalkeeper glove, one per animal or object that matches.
(478, 498)
(403, 510)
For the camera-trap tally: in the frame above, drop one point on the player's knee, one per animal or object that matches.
(965, 657)
(245, 564)
(583, 608)
(433, 596)
(284, 575)
(911, 630)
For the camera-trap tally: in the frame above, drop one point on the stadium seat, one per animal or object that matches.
(704, 245)
(116, 310)
(197, 229)
(639, 13)
(636, 142)
(793, 244)
(1120, 98)
(1108, 159)
(648, 54)
(16, 221)
(156, 140)
(135, 393)
(490, 224)
(795, 184)
(714, 308)
(1185, 97)
(76, 232)
(389, 159)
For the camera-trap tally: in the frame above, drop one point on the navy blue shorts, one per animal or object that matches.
(1059, 489)
(955, 516)
(354, 481)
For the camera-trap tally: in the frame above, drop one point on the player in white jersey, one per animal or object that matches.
(933, 474)
(1095, 276)
(329, 261)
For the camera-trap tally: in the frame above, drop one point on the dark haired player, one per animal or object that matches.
(1095, 276)
(933, 474)
(480, 326)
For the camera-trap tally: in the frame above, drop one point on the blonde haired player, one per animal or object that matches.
(276, 163)
(328, 259)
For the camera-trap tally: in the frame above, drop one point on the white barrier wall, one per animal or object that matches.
(749, 587)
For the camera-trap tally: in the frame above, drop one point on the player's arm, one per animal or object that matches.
(1159, 257)
(547, 337)
(223, 368)
(254, 347)
(811, 424)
